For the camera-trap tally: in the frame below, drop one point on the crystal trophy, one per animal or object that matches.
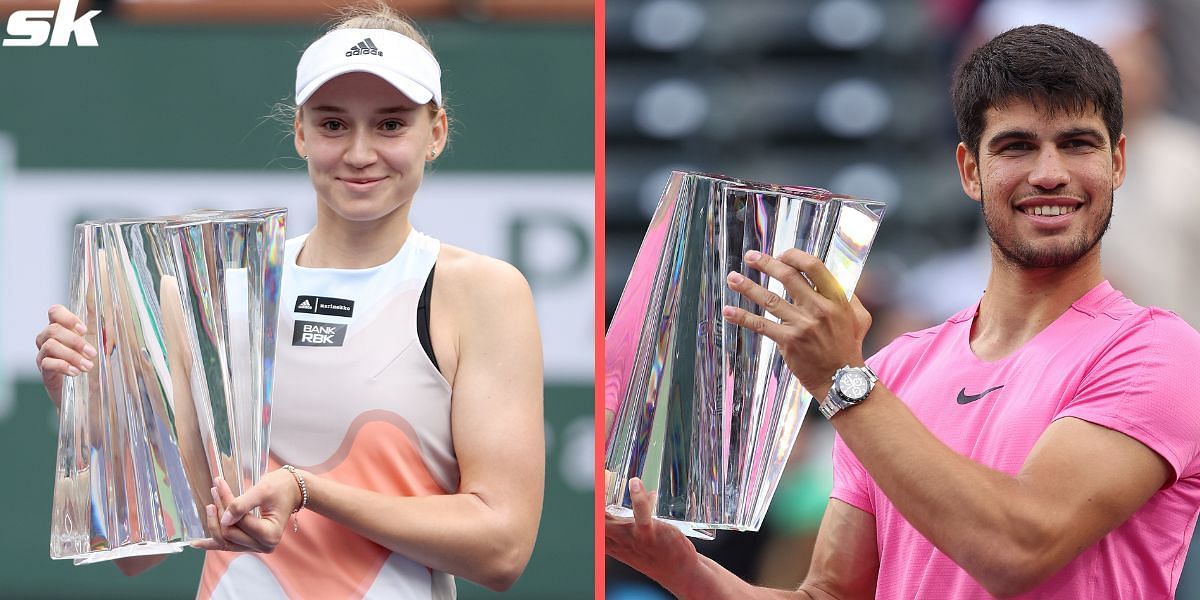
(707, 412)
(182, 311)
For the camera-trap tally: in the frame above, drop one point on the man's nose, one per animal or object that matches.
(1050, 171)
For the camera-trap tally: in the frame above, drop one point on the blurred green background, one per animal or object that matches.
(195, 97)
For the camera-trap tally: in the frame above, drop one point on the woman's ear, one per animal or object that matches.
(298, 136)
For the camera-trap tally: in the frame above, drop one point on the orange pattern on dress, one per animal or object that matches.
(381, 458)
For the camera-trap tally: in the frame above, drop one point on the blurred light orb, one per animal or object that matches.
(846, 24)
(671, 109)
(667, 25)
(576, 460)
(651, 189)
(854, 108)
(871, 181)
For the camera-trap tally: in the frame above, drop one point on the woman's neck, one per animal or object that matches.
(336, 243)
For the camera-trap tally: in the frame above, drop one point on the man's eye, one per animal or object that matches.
(1018, 147)
(1078, 144)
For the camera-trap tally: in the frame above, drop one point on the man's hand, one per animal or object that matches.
(647, 544)
(818, 332)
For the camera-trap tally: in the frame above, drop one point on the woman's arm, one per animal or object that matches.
(484, 532)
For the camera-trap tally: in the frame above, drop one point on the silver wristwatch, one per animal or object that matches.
(851, 385)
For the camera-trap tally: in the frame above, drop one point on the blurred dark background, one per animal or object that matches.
(853, 96)
(171, 112)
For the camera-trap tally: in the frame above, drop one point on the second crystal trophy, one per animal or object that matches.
(182, 311)
(707, 412)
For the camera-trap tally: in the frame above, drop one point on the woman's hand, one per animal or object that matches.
(232, 526)
(62, 350)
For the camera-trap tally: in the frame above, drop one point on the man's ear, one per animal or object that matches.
(968, 172)
(1118, 162)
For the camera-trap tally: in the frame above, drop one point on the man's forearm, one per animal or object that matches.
(707, 580)
(979, 517)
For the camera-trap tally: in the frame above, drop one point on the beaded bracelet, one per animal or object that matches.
(303, 495)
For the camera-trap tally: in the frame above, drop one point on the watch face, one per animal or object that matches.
(854, 385)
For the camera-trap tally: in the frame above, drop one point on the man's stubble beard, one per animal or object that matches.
(1022, 254)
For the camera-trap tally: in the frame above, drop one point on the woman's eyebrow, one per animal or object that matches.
(382, 111)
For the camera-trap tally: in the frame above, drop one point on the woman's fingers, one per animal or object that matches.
(226, 538)
(63, 340)
(75, 361)
(59, 314)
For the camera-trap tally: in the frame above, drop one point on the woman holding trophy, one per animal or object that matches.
(407, 438)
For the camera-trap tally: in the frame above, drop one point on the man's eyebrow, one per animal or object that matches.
(1082, 132)
(1011, 134)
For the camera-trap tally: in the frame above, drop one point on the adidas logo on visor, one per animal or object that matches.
(364, 47)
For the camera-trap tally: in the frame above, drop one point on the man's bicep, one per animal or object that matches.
(845, 562)
(1087, 480)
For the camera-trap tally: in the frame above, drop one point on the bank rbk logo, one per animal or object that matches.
(32, 27)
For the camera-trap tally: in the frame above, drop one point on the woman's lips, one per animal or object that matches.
(361, 184)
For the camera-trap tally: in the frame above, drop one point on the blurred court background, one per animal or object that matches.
(853, 96)
(168, 114)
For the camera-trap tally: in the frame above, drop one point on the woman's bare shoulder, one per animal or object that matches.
(467, 275)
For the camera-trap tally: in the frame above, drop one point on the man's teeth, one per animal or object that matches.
(1049, 211)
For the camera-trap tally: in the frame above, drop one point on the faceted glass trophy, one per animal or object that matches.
(707, 412)
(182, 311)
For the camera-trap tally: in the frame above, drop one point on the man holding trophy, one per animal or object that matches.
(1043, 441)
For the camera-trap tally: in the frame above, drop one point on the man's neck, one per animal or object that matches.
(1021, 302)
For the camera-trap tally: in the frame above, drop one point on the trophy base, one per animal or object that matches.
(702, 531)
(139, 549)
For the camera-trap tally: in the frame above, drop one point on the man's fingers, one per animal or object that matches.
(772, 302)
(753, 322)
(791, 276)
(643, 504)
(861, 314)
(824, 282)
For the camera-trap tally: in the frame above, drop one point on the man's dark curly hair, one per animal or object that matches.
(1049, 66)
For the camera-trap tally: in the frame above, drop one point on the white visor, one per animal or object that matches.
(393, 57)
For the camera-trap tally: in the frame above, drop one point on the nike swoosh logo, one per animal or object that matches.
(963, 398)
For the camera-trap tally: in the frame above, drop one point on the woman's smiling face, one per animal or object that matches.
(367, 145)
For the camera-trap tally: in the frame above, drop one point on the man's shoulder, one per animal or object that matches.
(909, 345)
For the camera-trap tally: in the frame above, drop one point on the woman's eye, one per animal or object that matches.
(392, 125)
(332, 125)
